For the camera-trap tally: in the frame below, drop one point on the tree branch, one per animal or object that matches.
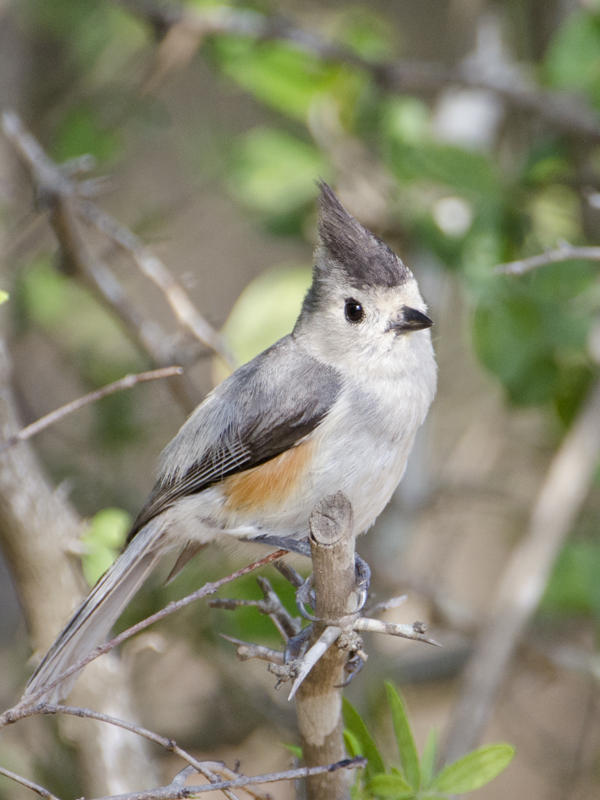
(525, 577)
(176, 788)
(51, 418)
(565, 112)
(87, 713)
(66, 202)
(319, 698)
(170, 608)
(35, 787)
(564, 252)
(38, 533)
(155, 270)
(176, 792)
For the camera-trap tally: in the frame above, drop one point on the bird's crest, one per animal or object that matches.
(366, 259)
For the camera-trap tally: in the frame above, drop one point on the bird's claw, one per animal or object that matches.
(363, 580)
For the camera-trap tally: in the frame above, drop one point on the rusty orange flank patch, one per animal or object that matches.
(270, 483)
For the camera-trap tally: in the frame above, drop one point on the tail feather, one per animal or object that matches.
(92, 621)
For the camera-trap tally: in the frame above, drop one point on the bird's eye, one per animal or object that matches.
(353, 310)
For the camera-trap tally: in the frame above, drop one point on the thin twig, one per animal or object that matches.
(57, 192)
(386, 605)
(156, 271)
(248, 650)
(220, 768)
(176, 792)
(88, 713)
(564, 252)
(270, 605)
(416, 631)
(565, 112)
(127, 382)
(328, 637)
(66, 201)
(170, 608)
(39, 790)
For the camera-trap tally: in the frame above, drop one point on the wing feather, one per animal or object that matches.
(264, 408)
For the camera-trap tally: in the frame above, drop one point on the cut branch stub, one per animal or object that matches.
(319, 698)
(331, 520)
(332, 544)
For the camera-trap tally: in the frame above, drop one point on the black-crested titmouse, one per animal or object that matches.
(335, 405)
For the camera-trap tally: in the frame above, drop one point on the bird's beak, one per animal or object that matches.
(409, 319)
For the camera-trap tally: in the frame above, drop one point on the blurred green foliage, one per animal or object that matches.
(530, 332)
(286, 79)
(265, 311)
(103, 540)
(45, 298)
(416, 778)
(81, 132)
(465, 208)
(574, 589)
(573, 60)
(273, 173)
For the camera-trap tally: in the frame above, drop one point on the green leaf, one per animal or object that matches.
(81, 132)
(365, 32)
(404, 737)
(509, 340)
(353, 747)
(423, 159)
(368, 748)
(103, 541)
(428, 759)
(265, 311)
(3, 296)
(530, 330)
(274, 172)
(392, 786)
(574, 588)
(280, 75)
(473, 770)
(573, 58)
(294, 749)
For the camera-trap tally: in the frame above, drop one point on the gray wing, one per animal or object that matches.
(263, 409)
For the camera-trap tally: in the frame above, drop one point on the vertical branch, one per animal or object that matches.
(526, 575)
(39, 530)
(319, 699)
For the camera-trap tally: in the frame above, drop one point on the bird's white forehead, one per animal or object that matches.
(387, 300)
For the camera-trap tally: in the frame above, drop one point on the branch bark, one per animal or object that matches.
(319, 698)
(67, 205)
(39, 531)
(564, 252)
(127, 382)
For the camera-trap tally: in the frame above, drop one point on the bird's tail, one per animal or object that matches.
(92, 621)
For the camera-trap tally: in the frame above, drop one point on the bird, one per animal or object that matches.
(333, 406)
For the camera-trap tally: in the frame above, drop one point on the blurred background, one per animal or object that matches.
(466, 134)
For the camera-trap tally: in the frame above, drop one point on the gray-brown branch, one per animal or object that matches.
(319, 698)
(127, 382)
(67, 206)
(564, 252)
(557, 505)
(39, 531)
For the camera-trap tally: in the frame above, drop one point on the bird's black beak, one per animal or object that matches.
(409, 319)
